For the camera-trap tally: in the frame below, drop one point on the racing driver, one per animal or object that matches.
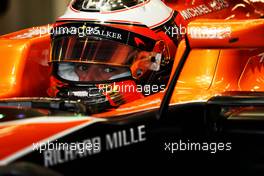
(110, 52)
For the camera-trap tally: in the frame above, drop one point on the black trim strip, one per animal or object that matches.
(106, 22)
(238, 100)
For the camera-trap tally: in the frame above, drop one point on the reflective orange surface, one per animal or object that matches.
(207, 72)
(24, 64)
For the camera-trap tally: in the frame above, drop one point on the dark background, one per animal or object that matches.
(21, 14)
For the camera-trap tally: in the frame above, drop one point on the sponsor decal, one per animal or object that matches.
(84, 31)
(59, 153)
(125, 137)
(204, 9)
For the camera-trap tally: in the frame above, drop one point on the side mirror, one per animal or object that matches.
(215, 34)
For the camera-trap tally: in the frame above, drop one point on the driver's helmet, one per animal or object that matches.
(110, 52)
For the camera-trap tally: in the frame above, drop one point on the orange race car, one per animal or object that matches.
(126, 79)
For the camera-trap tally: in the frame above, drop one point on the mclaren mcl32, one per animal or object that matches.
(208, 116)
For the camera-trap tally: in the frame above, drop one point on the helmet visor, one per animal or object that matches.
(92, 50)
(92, 59)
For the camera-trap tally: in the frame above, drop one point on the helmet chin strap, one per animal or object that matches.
(66, 71)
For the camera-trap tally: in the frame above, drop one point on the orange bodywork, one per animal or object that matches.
(208, 71)
(24, 60)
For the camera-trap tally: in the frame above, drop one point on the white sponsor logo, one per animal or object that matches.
(125, 137)
(63, 152)
(203, 9)
(55, 154)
